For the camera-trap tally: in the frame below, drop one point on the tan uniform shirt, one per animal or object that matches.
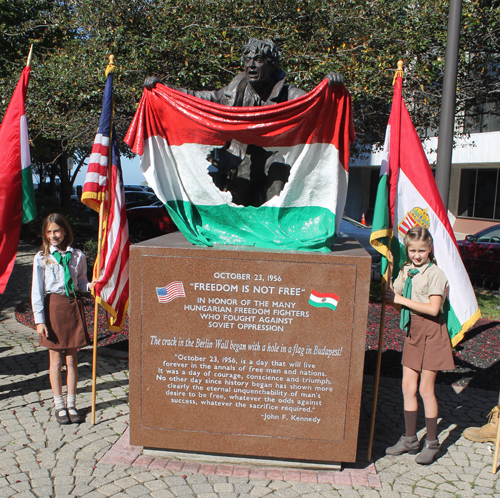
(430, 281)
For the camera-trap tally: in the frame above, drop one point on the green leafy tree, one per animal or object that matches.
(196, 44)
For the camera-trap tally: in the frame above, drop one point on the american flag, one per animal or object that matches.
(104, 184)
(170, 292)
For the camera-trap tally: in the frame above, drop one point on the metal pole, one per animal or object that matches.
(448, 102)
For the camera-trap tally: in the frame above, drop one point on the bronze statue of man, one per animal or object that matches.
(252, 174)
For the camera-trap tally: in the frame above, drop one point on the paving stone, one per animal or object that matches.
(402, 488)
(202, 488)
(162, 493)
(423, 491)
(109, 489)
(213, 479)
(290, 493)
(7, 491)
(480, 490)
(125, 482)
(181, 490)
(40, 481)
(444, 494)
(81, 490)
(275, 485)
(223, 487)
(425, 483)
(260, 491)
(43, 491)
(175, 481)
(259, 482)
(137, 490)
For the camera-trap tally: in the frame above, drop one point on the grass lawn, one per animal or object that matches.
(487, 304)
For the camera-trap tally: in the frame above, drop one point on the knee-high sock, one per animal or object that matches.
(410, 423)
(431, 424)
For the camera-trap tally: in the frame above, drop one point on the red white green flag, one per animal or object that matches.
(17, 195)
(323, 299)
(407, 195)
(176, 134)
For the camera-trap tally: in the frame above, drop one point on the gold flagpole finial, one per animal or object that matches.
(111, 65)
(28, 62)
(399, 71)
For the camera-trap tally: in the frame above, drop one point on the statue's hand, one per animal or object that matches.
(334, 79)
(150, 82)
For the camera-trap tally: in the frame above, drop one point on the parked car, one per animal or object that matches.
(139, 198)
(137, 188)
(481, 256)
(354, 229)
(146, 222)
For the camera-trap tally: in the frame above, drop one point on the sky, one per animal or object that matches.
(131, 173)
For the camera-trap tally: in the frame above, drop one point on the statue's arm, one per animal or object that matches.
(213, 96)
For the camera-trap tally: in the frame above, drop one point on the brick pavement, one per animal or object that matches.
(40, 458)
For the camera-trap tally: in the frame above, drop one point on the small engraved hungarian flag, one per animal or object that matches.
(323, 299)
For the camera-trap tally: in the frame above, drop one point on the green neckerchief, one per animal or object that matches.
(405, 312)
(64, 261)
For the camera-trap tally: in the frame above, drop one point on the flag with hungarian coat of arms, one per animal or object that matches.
(408, 196)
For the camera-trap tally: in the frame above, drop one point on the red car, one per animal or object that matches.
(146, 222)
(481, 256)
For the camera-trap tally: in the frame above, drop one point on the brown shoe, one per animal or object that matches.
(74, 416)
(487, 432)
(62, 416)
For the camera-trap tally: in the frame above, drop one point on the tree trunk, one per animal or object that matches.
(65, 183)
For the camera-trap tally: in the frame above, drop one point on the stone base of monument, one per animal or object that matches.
(247, 352)
(247, 461)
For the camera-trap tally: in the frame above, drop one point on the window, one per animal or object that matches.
(492, 235)
(479, 194)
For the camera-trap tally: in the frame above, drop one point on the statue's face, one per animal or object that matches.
(257, 69)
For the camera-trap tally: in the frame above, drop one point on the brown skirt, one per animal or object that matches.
(65, 321)
(428, 346)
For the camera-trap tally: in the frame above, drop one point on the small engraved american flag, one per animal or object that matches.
(170, 292)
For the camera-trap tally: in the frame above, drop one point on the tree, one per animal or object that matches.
(196, 44)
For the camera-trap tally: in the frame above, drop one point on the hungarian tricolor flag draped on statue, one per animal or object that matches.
(407, 195)
(176, 134)
(17, 196)
(104, 184)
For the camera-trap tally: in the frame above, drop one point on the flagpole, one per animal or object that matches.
(96, 315)
(385, 282)
(109, 69)
(379, 361)
(28, 62)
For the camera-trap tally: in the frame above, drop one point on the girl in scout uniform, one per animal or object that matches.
(420, 289)
(58, 272)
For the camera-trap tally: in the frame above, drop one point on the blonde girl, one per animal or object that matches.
(421, 289)
(59, 271)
